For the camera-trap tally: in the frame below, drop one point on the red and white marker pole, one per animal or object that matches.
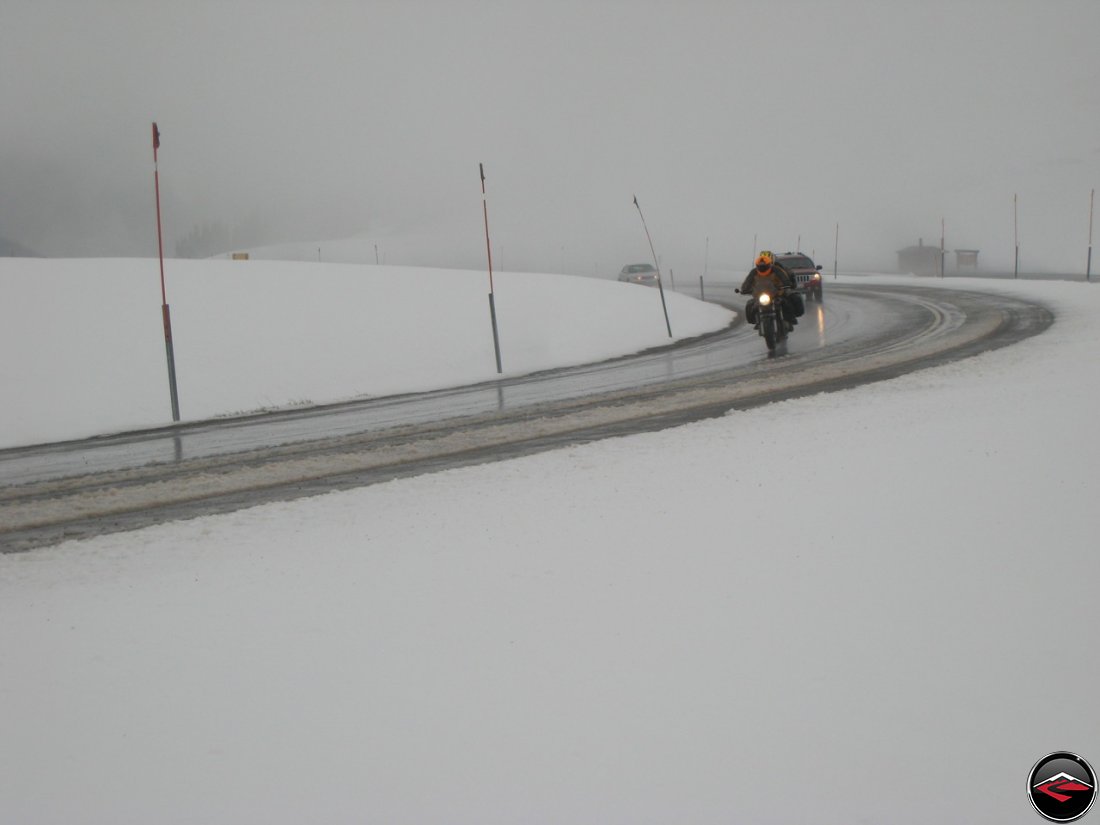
(165, 312)
(489, 252)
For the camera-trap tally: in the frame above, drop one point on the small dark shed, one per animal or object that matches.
(920, 259)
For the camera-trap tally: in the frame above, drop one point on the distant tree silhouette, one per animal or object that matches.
(11, 249)
(217, 238)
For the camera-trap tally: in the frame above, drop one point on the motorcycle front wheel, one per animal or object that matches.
(767, 326)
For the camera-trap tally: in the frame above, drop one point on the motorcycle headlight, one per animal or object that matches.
(765, 299)
(817, 276)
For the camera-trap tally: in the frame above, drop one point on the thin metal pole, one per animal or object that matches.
(489, 252)
(653, 252)
(836, 249)
(1016, 233)
(943, 232)
(1088, 267)
(166, 315)
(706, 263)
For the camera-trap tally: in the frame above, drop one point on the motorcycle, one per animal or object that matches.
(770, 320)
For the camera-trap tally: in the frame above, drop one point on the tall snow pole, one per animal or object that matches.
(836, 249)
(489, 252)
(1016, 234)
(1088, 267)
(165, 312)
(653, 252)
(706, 263)
(943, 232)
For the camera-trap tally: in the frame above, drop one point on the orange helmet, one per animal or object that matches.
(764, 261)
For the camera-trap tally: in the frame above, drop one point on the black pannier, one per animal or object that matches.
(797, 304)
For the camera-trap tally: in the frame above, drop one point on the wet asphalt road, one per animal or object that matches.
(859, 334)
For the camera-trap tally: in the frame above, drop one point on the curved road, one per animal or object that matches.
(860, 334)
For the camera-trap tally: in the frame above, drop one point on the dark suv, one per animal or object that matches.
(807, 275)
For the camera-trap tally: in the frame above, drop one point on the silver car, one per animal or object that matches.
(639, 274)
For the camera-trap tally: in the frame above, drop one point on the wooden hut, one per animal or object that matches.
(920, 259)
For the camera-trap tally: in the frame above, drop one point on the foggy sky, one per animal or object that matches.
(729, 120)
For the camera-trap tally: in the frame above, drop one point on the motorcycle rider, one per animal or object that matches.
(768, 271)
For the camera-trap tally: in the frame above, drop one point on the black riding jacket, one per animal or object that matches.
(781, 275)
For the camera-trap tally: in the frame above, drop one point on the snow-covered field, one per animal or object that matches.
(646, 629)
(252, 335)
